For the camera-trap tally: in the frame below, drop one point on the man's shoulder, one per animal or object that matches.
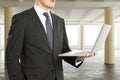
(56, 16)
(23, 14)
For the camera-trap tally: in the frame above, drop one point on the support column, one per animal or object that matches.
(109, 43)
(82, 37)
(8, 13)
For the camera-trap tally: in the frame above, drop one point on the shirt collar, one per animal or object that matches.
(40, 10)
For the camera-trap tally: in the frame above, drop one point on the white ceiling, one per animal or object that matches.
(73, 11)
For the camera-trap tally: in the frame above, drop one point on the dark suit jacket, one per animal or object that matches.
(28, 54)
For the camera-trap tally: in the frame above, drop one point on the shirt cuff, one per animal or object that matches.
(77, 63)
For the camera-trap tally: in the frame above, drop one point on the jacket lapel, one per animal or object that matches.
(39, 26)
(55, 33)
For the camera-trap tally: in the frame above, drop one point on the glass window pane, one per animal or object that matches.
(1, 36)
(90, 34)
(73, 35)
(117, 38)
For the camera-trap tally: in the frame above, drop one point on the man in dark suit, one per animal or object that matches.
(32, 53)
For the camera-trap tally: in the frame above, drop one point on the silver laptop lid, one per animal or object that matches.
(101, 38)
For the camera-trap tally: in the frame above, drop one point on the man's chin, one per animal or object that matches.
(52, 6)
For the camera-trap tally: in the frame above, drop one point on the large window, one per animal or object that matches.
(117, 38)
(73, 35)
(1, 36)
(90, 34)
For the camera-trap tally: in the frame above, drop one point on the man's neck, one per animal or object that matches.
(44, 8)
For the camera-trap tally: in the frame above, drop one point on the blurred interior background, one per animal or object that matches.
(84, 19)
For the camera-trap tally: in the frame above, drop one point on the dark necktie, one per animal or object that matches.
(49, 29)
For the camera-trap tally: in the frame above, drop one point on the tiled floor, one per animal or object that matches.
(92, 69)
(3, 75)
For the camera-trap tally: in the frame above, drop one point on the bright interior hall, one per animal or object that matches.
(83, 18)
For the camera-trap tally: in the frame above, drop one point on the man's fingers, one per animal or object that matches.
(84, 57)
(92, 54)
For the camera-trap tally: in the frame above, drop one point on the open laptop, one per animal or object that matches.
(97, 45)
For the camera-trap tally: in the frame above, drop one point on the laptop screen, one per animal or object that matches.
(101, 38)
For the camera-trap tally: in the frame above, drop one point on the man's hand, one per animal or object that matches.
(80, 58)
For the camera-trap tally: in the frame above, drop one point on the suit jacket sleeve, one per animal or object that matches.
(66, 48)
(14, 49)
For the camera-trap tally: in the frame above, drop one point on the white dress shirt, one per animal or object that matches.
(42, 18)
